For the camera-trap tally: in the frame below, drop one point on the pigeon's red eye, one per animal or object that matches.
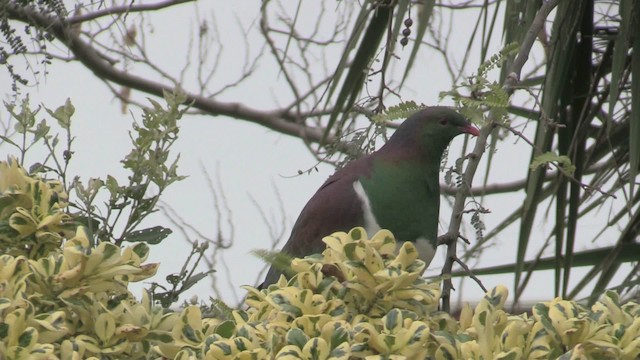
(444, 122)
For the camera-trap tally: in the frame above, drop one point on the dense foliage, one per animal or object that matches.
(64, 297)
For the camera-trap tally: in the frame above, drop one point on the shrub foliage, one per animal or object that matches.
(62, 298)
(64, 290)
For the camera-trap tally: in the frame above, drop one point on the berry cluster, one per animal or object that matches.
(406, 32)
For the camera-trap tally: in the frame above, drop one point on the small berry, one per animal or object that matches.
(404, 41)
(408, 22)
(406, 32)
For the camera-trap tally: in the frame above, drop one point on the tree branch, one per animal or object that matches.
(278, 120)
(475, 157)
(124, 9)
(492, 189)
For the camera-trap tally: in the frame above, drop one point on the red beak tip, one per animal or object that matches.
(470, 129)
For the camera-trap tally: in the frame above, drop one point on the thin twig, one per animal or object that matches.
(470, 273)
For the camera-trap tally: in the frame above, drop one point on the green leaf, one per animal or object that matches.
(105, 327)
(356, 234)
(112, 186)
(482, 317)
(136, 192)
(141, 249)
(151, 236)
(4, 330)
(26, 118)
(550, 157)
(28, 337)
(227, 350)
(109, 252)
(9, 141)
(634, 131)
(393, 320)
(63, 114)
(160, 336)
(226, 329)
(339, 335)
(316, 348)
(41, 130)
(193, 279)
(350, 251)
(297, 337)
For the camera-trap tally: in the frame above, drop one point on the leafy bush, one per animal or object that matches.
(381, 308)
(357, 300)
(32, 220)
(72, 300)
(64, 292)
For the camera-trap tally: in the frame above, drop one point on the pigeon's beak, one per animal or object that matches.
(470, 129)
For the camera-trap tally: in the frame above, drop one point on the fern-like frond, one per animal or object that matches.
(400, 111)
(497, 59)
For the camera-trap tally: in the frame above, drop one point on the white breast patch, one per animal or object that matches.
(426, 252)
(370, 222)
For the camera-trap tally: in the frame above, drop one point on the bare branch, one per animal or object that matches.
(278, 120)
(124, 9)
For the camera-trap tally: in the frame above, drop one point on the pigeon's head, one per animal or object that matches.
(432, 129)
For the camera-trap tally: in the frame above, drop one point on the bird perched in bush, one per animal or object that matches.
(395, 188)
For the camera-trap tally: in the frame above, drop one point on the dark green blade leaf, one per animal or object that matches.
(563, 41)
(634, 133)
(523, 112)
(359, 68)
(619, 54)
(351, 44)
(583, 258)
(612, 262)
(572, 142)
